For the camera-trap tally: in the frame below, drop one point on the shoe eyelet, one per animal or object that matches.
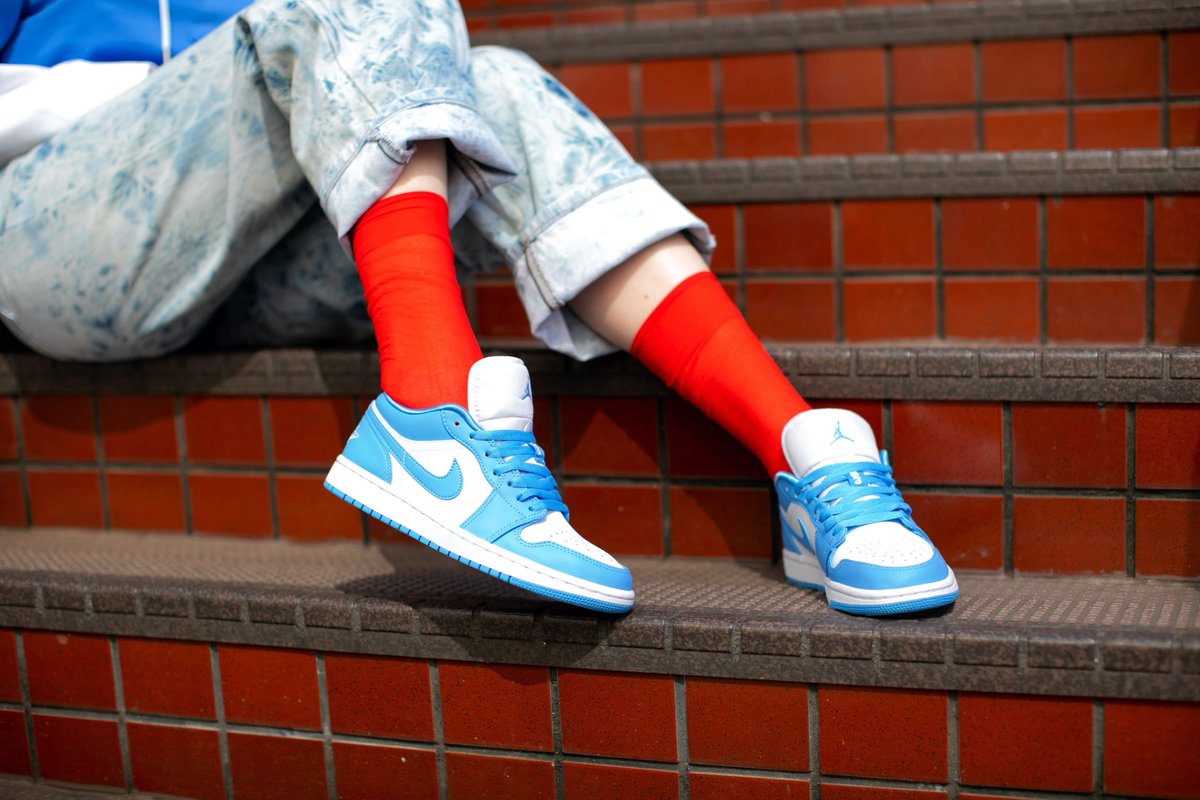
(457, 423)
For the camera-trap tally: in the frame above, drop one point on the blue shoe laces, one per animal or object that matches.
(835, 495)
(518, 457)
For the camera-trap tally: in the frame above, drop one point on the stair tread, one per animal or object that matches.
(1106, 636)
(15, 789)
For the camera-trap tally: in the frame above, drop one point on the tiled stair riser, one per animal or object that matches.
(249, 721)
(1115, 487)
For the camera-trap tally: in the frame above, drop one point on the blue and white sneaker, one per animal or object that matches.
(473, 484)
(846, 529)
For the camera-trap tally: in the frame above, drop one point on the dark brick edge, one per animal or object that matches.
(1068, 661)
(1117, 375)
(851, 27)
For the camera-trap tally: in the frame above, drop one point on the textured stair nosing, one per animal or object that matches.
(1098, 637)
(846, 28)
(1101, 375)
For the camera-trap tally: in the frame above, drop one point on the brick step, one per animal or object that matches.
(17, 789)
(263, 667)
(983, 76)
(237, 443)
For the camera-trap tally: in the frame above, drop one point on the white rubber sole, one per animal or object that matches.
(369, 492)
(803, 568)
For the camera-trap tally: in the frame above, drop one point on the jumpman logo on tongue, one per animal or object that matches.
(837, 434)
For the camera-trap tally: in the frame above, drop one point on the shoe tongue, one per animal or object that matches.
(827, 436)
(498, 394)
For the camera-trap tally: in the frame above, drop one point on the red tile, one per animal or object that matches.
(1116, 66)
(933, 75)
(1068, 444)
(808, 5)
(163, 677)
(367, 772)
(661, 12)
(723, 225)
(791, 311)
(500, 705)
(834, 791)
(269, 686)
(844, 79)
(870, 410)
(609, 436)
(625, 135)
(699, 448)
(720, 522)
(10, 683)
(604, 88)
(617, 714)
(736, 8)
(277, 768)
(1184, 122)
(677, 86)
(1168, 447)
(58, 428)
(968, 529)
(181, 762)
(887, 234)
(499, 313)
(145, 501)
(471, 776)
(949, 443)
(951, 132)
(706, 786)
(80, 751)
(1024, 742)
(1069, 535)
(888, 309)
(232, 504)
(748, 723)
(906, 739)
(605, 15)
(1096, 310)
(792, 236)
(1176, 234)
(995, 309)
(856, 135)
(307, 512)
(47, 488)
(1177, 311)
(681, 141)
(379, 696)
(1168, 537)
(599, 782)
(8, 429)
(1024, 70)
(69, 669)
(622, 519)
(512, 21)
(1125, 126)
(1183, 62)
(1042, 129)
(309, 431)
(224, 430)
(138, 428)
(758, 139)
(12, 500)
(1160, 765)
(14, 744)
(760, 82)
(989, 233)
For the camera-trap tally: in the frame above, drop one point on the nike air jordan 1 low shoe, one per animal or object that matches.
(472, 483)
(846, 529)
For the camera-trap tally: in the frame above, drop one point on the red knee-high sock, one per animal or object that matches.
(698, 343)
(426, 345)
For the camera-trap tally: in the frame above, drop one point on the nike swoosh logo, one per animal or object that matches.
(795, 529)
(443, 487)
(528, 391)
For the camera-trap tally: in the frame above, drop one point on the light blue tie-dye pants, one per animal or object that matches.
(216, 192)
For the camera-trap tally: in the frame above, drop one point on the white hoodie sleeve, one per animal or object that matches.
(38, 102)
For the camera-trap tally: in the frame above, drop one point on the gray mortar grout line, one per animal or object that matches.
(839, 273)
(1098, 746)
(222, 726)
(664, 481)
(326, 731)
(560, 787)
(181, 446)
(101, 477)
(885, 420)
(439, 734)
(27, 705)
(635, 102)
(681, 737)
(269, 464)
(1006, 477)
(939, 272)
(1148, 226)
(717, 75)
(1130, 492)
(953, 754)
(122, 725)
(1043, 272)
(814, 743)
(739, 254)
(22, 472)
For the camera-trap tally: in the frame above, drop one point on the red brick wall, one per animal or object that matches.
(163, 716)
